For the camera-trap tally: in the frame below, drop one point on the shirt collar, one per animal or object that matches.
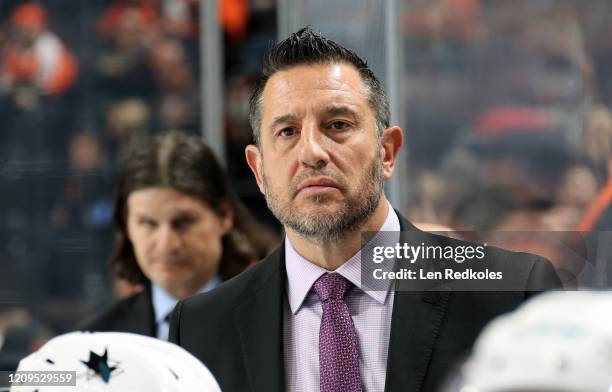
(164, 303)
(301, 274)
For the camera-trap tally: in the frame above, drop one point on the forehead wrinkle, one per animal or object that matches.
(336, 99)
(287, 87)
(315, 85)
(153, 203)
(335, 77)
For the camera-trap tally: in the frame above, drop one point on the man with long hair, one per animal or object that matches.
(179, 231)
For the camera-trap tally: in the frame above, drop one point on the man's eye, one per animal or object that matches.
(147, 222)
(183, 222)
(339, 125)
(286, 132)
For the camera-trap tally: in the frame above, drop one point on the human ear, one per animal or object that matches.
(392, 140)
(253, 158)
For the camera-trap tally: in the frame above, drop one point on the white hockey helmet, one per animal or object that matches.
(559, 342)
(119, 362)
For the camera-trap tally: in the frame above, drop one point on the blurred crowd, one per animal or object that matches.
(507, 108)
(509, 126)
(77, 81)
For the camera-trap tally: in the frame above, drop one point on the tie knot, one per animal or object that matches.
(331, 286)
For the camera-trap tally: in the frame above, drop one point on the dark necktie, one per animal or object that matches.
(165, 325)
(338, 346)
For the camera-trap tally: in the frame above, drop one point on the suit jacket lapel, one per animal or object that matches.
(140, 319)
(259, 322)
(415, 323)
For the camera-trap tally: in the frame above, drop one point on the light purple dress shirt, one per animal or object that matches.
(371, 312)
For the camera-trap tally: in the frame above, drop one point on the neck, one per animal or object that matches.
(179, 293)
(182, 291)
(332, 255)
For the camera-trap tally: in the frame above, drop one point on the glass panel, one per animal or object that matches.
(77, 80)
(508, 114)
(357, 24)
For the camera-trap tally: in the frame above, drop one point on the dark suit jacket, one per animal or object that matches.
(236, 330)
(134, 314)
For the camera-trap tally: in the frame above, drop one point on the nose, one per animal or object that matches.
(313, 151)
(168, 240)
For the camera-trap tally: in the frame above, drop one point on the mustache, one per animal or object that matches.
(312, 173)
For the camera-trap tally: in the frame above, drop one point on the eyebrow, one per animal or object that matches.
(286, 118)
(340, 111)
(329, 111)
(140, 215)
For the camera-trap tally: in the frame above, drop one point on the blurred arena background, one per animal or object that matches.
(505, 106)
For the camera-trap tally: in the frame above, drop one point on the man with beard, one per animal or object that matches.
(301, 320)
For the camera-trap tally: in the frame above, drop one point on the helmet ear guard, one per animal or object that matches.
(118, 362)
(560, 341)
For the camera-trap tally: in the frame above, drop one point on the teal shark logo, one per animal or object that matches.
(99, 364)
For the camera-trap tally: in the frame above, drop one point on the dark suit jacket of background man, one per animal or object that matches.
(236, 330)
(134, 314)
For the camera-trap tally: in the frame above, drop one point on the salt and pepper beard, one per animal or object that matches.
(329, 228)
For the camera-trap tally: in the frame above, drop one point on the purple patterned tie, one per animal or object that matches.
(338, 350)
